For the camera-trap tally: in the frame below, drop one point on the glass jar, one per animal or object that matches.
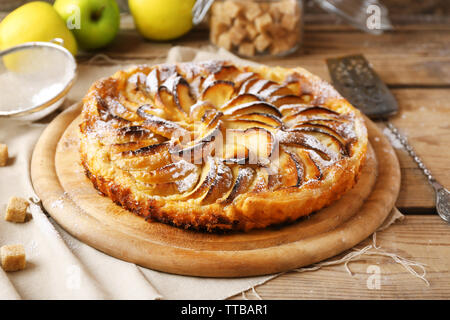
(252, 28)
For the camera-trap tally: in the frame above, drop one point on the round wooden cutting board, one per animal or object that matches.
(72, 201)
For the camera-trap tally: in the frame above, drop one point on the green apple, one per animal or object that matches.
(95, 23)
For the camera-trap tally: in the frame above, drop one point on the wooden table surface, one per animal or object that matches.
(414, 60)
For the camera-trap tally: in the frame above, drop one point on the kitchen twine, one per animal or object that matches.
(355, 255)
(372, 250)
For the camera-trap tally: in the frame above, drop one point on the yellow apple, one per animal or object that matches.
(35, 21)
(162, 19)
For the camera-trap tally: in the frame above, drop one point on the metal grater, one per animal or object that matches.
(353, 77)
(356, 81)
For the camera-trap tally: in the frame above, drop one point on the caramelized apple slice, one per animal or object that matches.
(241, 78)
(165, 100)
(202, 147)
(198, 110)
(257, 86)
(159, 125)
(291, 99)
(227, 73)
(207, 177)
(309, 159)
(265, 118)
(295, 138)
(310, 112)
(261, 144)
(253, 107)
(152, 81)
(293, 168)
(110, 107)
(246, 85)
(244, 98)
(242, 183)
(233, 153)
(243, 124)
(182, 95)
(168, 173)
(218, 92)
(221, 183)
(150, 157)
(275, 90)
(336, 140)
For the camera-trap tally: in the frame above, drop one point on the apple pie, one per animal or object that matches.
(217, 146)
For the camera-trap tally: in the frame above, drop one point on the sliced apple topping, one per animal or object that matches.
(149, 158)
(307, 141)
(165, 100)
(240, 99)
(159, 125)
(258, 86)
(310, 113)
(221, 183)
(242, 77)
(310, 161)
(198, 110)
(244, 179)
(336, 142)
(152, 81)
(218, 92)
(227, 73)
(198, 150)
(293, 167)
(112, 108)
(168, 173)
(253, 107)
(275, 90)
(207, 177)
(233, 153)
(261, 144)
(262, 118)
(287, 100)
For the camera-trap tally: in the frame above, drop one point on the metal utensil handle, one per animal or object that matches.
(200, 10)
(411, 151)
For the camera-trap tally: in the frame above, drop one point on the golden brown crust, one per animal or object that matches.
(290, 144)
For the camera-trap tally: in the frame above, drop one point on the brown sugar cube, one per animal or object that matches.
(217, 28)
(13, 257)
(16, 210)
(240, 23)
(289, 21)
(277, 32)
(237, 35)
(251, 31)
(247, 49)
(279, 46)
(3, 155)
(219, 15)
(263, 22)
(224, 41)
(252, 10)
(262, 42)
(232, 8)
(275, 13)
(287, 6)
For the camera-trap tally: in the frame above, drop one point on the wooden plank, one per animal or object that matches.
(424, 239)
(424, 118)
(404, 57)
